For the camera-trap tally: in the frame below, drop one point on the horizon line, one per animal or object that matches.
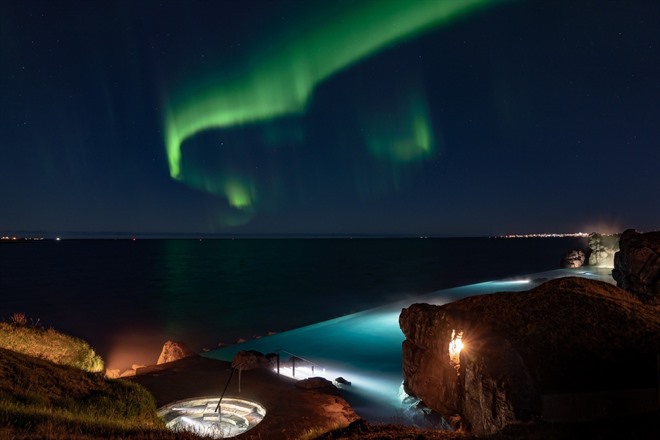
(209, 235)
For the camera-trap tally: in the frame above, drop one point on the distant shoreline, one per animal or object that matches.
(102, 236)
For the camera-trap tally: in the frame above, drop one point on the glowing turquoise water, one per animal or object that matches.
(365, 347)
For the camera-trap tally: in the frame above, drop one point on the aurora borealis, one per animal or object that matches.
(428, 117)
(279, 81)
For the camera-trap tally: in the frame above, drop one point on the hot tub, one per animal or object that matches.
(203, 416)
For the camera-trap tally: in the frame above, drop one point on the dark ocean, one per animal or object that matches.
(126, 298)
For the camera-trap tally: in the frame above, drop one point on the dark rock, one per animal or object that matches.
(637, 265)
(570, 335)
(456, 423)
(424, 417)
(342, 381)
(315, 383)
(602, 249)
(173, 351)
(357, 429)
(574, 258)
(252, 359)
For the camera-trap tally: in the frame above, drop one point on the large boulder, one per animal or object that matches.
(252, 359)
(573, 259)
(570, 335)
(173, 351)
(602, 249)
(637, 264)
(315, 383)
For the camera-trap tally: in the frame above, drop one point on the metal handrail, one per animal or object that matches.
(293, 361)
(217, 408)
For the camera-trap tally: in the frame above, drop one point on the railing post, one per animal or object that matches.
(293, 363)
(240, 370)
(218, 408)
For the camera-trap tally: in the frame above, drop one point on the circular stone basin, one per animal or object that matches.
(202, 416)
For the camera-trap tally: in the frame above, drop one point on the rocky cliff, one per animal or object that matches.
(602, 249)
(570, 335)
(637, 264)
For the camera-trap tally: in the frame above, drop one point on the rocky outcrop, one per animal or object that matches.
(251, 359)
(573, 259)
(602, 249)
(637, 264)
(315, 383)
(112, 373)
(116, 373)
(173, 351)
(570, 335)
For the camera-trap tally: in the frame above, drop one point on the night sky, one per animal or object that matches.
(451, 118)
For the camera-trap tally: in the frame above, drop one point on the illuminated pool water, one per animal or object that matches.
(204, 416)
(365, 348)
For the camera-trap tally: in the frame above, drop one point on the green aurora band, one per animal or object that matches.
(281, 79)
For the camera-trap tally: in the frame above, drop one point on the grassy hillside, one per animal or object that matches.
(50, 387)
(17, 335)
(39, 399)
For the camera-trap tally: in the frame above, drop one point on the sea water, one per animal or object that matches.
(128, 297)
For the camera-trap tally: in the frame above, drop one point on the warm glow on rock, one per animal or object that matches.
(455, 347)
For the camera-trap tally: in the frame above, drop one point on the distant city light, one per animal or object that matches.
(545, 235)
(15, 238)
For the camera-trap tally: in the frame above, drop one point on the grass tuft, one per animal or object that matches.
(18, 319)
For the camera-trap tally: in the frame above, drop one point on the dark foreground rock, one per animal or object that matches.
(363, 430)
(567, 337)
(637, 265)
(645, 426)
